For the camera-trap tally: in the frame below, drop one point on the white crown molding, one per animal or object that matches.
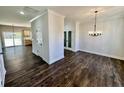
(55, 13)
(48, 11)
(38, 16)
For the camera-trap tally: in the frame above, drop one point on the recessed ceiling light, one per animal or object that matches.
(22, 13)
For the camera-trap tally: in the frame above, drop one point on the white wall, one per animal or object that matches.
(77, 36)
(56, 36)
(0, 41)
(111, 43)
(51, 32)
(70, 25)
(0, 46)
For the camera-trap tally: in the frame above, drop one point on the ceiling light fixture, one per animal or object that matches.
(22, 13)
(95, 32)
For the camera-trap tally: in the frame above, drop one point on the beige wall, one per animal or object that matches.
(6, 28)
(111, 43)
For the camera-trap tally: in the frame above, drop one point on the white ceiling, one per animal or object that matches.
(10, 14)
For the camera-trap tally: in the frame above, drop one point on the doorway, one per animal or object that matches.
(68, 40)
(12, 39)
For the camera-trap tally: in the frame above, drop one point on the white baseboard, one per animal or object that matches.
(68, 49)
(106, 55)
(76, 50)
(55, 60)
(72, 49)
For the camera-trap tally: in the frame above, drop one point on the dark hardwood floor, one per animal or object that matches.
(24, 69)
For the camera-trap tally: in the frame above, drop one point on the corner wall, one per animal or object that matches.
(49, 30)
(56, 36)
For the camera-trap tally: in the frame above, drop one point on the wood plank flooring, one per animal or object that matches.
(80, 69)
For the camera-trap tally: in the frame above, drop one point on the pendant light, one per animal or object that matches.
(95, 32)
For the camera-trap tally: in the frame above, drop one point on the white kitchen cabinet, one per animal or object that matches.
(2, 71)
(36, 38)
(0, 46)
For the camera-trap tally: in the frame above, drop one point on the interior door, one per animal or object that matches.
(65, 35)
(68, 40)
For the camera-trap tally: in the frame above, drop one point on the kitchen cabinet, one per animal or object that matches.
(2, 71)
(0, 46)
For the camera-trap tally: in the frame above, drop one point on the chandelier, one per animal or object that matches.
(95, 32)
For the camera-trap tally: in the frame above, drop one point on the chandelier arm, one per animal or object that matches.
(95, 21)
